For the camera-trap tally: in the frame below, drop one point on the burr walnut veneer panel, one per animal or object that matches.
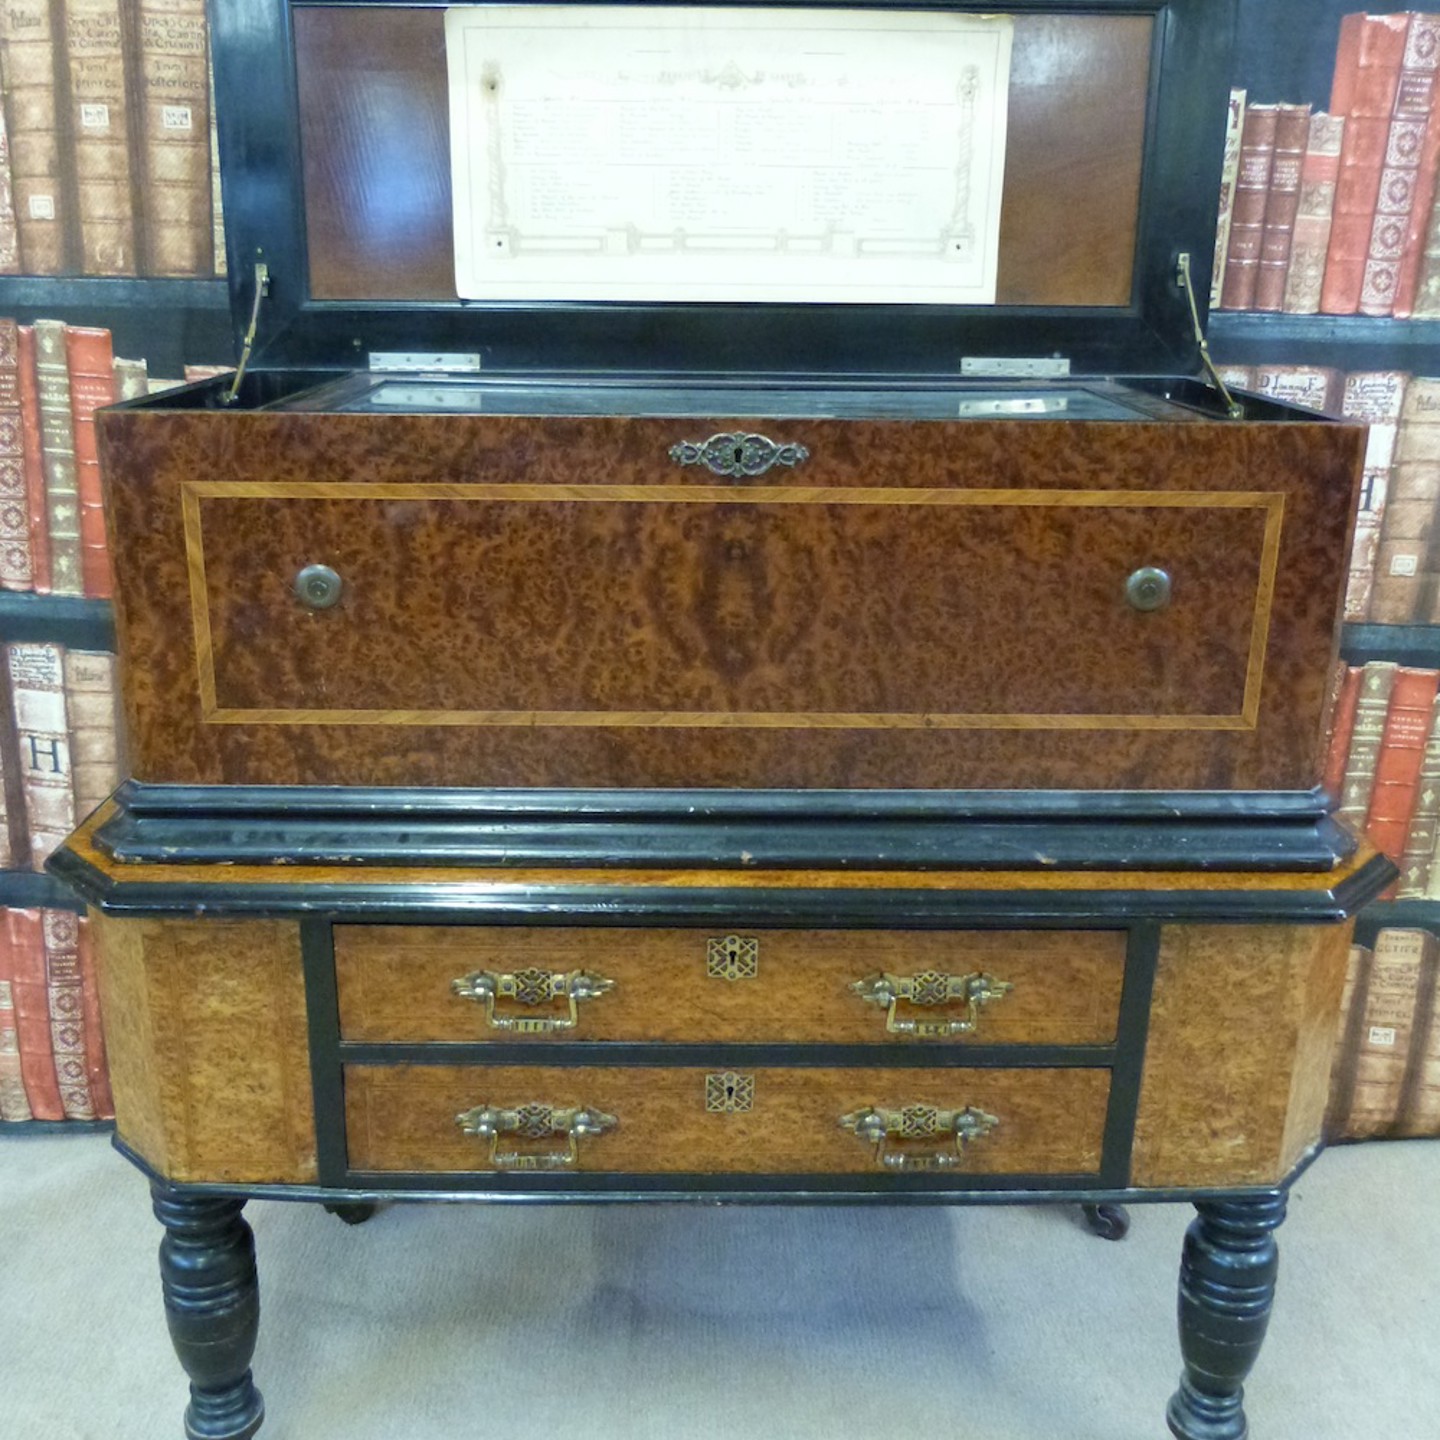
(552, 602)
(404, 1117)
(395, 983)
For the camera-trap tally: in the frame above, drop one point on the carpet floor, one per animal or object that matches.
(699, 1323)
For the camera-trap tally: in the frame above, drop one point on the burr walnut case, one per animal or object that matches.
(663, 749)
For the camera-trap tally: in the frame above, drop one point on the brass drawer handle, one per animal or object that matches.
(931, 987)
(534, 1121)
(531, 987)
(919, 1137)
(738, 454)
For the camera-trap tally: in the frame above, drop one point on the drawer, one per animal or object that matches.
(399, 984)
(779, 1120)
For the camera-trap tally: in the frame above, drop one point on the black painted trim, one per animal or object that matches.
(1142, 953)
(728, 1190)
(506, 902)
(322, 1009)
(921, 1055)
(264, 203)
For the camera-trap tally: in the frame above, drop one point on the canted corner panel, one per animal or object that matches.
(1235, 1019)
(229, 1050)
(712, 607)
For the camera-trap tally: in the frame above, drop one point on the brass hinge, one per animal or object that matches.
(1233, 408)
(262, 289)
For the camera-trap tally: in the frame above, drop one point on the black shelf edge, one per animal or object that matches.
(78, 292)
(1396, 915)
(1404, 644)
(71, 620)
(56, 1127)
(29, 889)
(1255, 328)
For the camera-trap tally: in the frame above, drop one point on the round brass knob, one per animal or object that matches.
(1148, 589)
(318, 586)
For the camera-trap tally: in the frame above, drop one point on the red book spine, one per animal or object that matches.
(94, 1032)
(1397, 770)
(1247, 216)
(1292, 136)
(22, 937)
(1367, 77)
(34, 463)
(1342, 727)
(67, 1012)
(15, 571)
(90, 358)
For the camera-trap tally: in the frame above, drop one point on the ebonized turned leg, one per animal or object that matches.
(1227, 1286)
(212, 1305)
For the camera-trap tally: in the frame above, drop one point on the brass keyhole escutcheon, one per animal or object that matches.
(1148, 589)
(318, 587)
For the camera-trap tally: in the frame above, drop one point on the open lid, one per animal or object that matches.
(1090, 163)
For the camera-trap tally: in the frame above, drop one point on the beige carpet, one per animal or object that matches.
(690, 1323)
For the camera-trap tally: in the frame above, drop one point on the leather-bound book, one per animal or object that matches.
(1397, 767)
(13, 1104)
(97, 1067)
(1400, 179)
(37, 691)
(57, 435)
(61, 930)
(1376, 398)
(1425, 30)
(90, 713)
(1229, 175)
(1424, 818)
(15, 568)
(34, 456)
(29, 31)
(1383, 1054)
(1347, 1041)
(173, 114)
(1342, 727)
(1403, 568)
(1368, 61)
(1314, 214)
(1420, 1088)
(9, 230)
(132, 379)
(22, 936)
(100, 135)
(1282, 202)
(1316, 387)
(1247, 218)
(1375, 685)
(91, 360)
(217, 208)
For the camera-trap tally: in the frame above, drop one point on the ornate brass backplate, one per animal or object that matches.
(531, 987)
(534, 1122)
(732, 957)
(919, 1137)
(729, 1093)
(738, 454)
(931, 987)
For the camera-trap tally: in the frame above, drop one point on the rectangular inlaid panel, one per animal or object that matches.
(779, 1121)
(555, 602)
(396, 984)
(754, 607)
(374, 134)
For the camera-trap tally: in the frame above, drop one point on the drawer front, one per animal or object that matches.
(557, 602)
(399, 984)
(778, 1121)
